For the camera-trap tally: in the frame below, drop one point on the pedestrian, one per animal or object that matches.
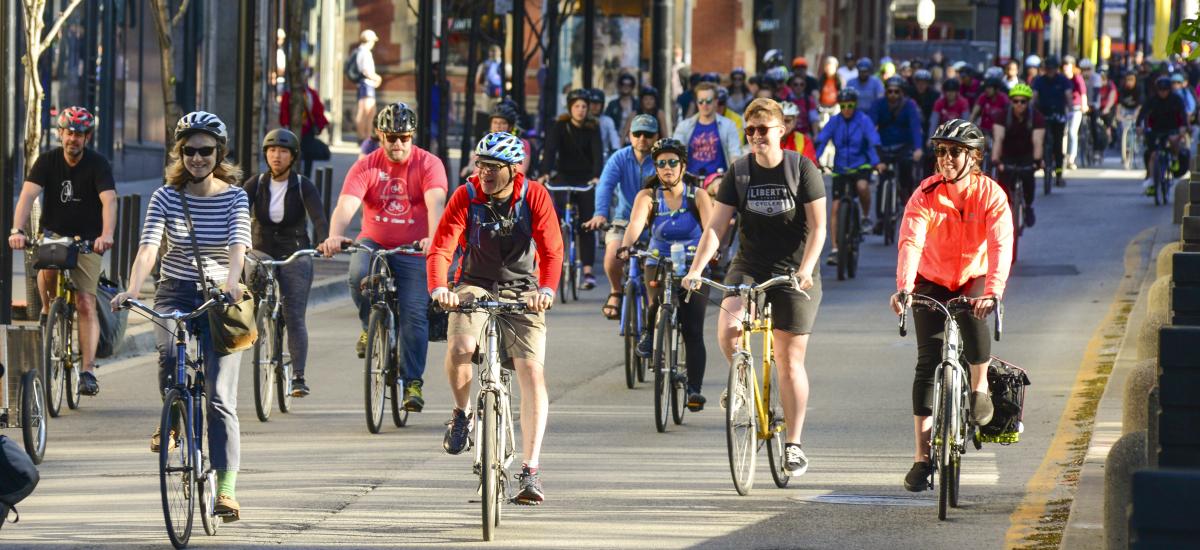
(364, 60)
(1078, 108)
(573, 157)
(314, 123)
(711, 138)
(491, 73)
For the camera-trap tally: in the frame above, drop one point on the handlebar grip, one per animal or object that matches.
(903, 322)
(999, 329)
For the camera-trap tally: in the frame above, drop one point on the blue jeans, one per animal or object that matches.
(411, 307)
(221, 373)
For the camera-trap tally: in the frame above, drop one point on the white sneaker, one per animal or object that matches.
(1147, 183)
(795, 462)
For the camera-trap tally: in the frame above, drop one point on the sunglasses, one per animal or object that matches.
(758, 130)
(1020, 101)
(202, 151)
(391, 138)
(485, 166)
(644, 134)
(894, 92)
(848, 105)
(951, 151)
(705, 101)
(669, 162)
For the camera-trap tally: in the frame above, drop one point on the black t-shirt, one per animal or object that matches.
(771, 221)
(71, 204)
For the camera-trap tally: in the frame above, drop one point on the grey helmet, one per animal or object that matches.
(282, 137)
(962, 132)
(201, 122)
(396, 118)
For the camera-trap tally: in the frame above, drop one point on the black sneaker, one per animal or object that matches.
(645, 345)
(299, 388)
(794, 460)
(42, 320)
(458, 433)
(414, 401)
(589, 282)
(695, 402)
(530, 493)
(88, 385)
(981, 407)
(917, 479)
(831, 259)
(1030, 219)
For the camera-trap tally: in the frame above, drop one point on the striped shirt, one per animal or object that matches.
(221, 220)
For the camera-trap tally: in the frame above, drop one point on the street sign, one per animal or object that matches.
(1006, 31)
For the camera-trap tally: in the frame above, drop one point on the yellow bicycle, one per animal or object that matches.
(61, 355)
(753, 417)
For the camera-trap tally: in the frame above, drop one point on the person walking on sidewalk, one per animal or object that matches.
(402, 191)
(364, 60)
(80, 202)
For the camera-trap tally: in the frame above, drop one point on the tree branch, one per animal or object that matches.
(178, 16)
(62, 18)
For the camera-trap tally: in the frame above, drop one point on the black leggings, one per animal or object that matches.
(691, 321)
(977, 346)
(585, 208)
(1054, 140)
(1028, 189)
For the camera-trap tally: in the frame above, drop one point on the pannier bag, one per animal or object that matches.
(112, 323)
(1007, 383)
(56, 253)
(18, 477)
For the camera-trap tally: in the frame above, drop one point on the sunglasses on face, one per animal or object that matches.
(848, 105)
(706, 101)
(667, 162)
(644, 135)
(391, 138)
(202, 151)
(894, 92)
(953, 152)
(485, 166)
(1020, 101)
(758, 130)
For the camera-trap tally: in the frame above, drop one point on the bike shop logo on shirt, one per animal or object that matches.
(67, 193)
(769, 200)
(394, 196)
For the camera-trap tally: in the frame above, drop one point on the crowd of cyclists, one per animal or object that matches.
(738, 182)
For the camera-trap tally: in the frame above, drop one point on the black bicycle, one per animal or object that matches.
(849, 222)
(889, 196)
(1015, 177)
(272, 362)
(669, 356)
(1052, 175)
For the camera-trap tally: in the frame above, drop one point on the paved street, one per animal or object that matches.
(316, 478)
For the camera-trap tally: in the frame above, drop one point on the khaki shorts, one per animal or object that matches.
(615, 232)
(521, 336)
(86, 275)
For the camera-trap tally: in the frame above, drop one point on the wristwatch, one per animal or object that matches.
(16, 231)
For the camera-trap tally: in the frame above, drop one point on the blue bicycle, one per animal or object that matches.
(184, 472)
(634, 305)
(572, 267)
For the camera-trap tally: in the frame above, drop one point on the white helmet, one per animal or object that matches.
(1033, 61)
(789, 109)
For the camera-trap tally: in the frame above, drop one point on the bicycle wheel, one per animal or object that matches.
(679, 381)
(490, 456)
(889, 210)
(175, 467)
(662, 368)
(206, 485)
(53, 358)
(265, 354)
(643, 312)
(855, 242)
(375, 368)
(741, 431)
(843, 232)
(396, 392)
(283, 369)
(775, 456)
(629, 331)
(71, 375)
(564, 281)
(944, 427)
(33, 415)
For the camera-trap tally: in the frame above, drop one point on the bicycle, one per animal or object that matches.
(382, 360)
(1052, 175)
(891, 200)
(849, 223)
(1131, 139)
(1161, 158)
(634, 307)
(572, 274)
(185, 475)
(272, 362)
(29, 410)
(670, 378)
(493, 408)
(752, 415)
(1015, 178)
(61, 356)
(952, 424)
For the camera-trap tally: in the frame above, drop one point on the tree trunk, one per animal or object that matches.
(164, 23)
(297, 85)
(35, 44)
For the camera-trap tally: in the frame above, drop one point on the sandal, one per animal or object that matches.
(610, 310)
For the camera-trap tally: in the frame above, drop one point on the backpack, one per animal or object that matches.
(1007, 383)
(689, 192)
(350, 68)
(741, 174)
(112, 323)
(18, 477)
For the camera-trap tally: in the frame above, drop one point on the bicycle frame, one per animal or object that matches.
(758, 324)
(495, 379)
(633, 275)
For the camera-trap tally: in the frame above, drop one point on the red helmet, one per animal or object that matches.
(76, 119)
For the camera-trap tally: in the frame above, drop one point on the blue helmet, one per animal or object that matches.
(864, 64)
(501, 146)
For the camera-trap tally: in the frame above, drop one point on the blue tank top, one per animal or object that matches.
(673, 226)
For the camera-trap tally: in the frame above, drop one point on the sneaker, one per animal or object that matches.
(1030, 219)
(413, 400)
(458, 433)
(645, 345)
(589, 282)
(1148, 187)
(228, 508)
(361, 347)
(695, 402)
(42, 320)
(88, 385)
(530, 493)
(155, 439)
(866, 223)
(1071, 166)
(831, 259)
(794, 460)
(299, 388)
(917, 478)
(981, 407)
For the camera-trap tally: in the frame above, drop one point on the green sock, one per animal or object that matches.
(226, 479)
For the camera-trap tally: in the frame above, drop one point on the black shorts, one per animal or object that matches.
(846, 185)
(790, 310)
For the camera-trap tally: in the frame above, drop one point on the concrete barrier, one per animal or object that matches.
(1181, 200)
(1164, 509)
(1152, 411)
(1141, 379)
(1162, 263)
(1147, 342)
(1127, 456)
(1158, 298)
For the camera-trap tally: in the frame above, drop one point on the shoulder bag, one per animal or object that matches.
(233, 326)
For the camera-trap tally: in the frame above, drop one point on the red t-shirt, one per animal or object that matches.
(947, 111)
(991, 109)
(801, 143)
(393, 195)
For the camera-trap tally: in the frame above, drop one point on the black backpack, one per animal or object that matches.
(350, 68)
(18, 477)
(112, 323)
(1007, 383)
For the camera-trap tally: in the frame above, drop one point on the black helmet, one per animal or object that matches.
(994, 82)
(648, 90)
(396, 118)
(596, 95)
(894, 82)
(1163, 83)
(847, 95)
(200, 122)
(961, 132)
(282, 137)
(576, 95)
(923, 74)
(1052, 61)
(951, 85)
(505, 110)
(669, 145)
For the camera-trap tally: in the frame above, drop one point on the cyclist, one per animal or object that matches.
(675, 211)
(402, 191)
(1165, 118)
(1103, 109)
(199, 174)
(281, 203)
(1130, 96)
(622, 107)
(925, 95)
(1052, 95)
(81, 202)
(868, 86)
(1017, 138)
(794, 139)
(950, 106)
(648, 105)
(609, 138)
(503, 118)
(956, 240)
(621, 180)
(990, 105)
(739, 94)
(498, 217)
(711, 138)
(1012, 74)
(573, 157)
(1033, 67)
(780, 204)
(969, 85)
(723, 108)
(806, 105)
(1078, 108)
(855, 143)
(898, 121)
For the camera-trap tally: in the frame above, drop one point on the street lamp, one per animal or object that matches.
(925, 14)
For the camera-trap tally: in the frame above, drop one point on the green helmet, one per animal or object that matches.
(1021, 90)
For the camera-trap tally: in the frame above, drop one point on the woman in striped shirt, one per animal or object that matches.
(220, 216)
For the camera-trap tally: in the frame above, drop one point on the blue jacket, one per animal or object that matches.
(870, 92)
(856, 141)
(902, 128)
(623, 177)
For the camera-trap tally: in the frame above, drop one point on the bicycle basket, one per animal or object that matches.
(56, 253)
(1007, 383)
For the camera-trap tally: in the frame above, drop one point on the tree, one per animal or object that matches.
(165, 24)
(1187, 31)
(35, 44)
(297, 85)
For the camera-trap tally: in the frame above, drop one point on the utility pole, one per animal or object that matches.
(518, 54)
(550, 59)
(589, 42)
(10, 140)
(244, 128)
(424, 72)
(661, 58)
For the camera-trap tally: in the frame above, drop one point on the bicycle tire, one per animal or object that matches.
(888, 209)
(643, 363)
(855, 242)
(52, 363)
(565, 279)
(775, 454)
(629, 332)
(843, 228)
(490, 456)
(264, 365)
(1164, 187)
(741, 431)
(396, 392)
(206, 485)
(375, 367)
(576, 277)
(71, 378)
(662, 370)
(944, 423)
(283, 370)
(33, 415)
(175, 466)
(679, 387)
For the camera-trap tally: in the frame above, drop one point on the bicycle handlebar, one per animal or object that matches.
(490, 306)
(950, 308)
(571, 188)
(143, 309)
(85, 245)
(290, 259)
(746, 289)
(402, 249)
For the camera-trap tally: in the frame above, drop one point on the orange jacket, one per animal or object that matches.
(949, 247)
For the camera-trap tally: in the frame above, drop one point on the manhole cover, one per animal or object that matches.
(1044, 270)
(867, 500)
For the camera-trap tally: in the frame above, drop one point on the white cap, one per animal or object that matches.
(368, 36)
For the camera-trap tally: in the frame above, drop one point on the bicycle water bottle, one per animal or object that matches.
(679, 258)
